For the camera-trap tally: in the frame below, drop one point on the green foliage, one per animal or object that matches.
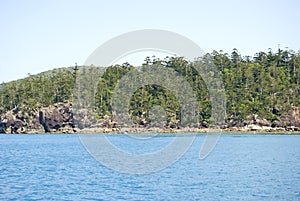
(39, 90)
(267, 85)
(105, 88)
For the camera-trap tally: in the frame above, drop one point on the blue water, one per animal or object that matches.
(241, 167)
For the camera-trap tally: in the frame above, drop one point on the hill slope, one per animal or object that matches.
(264, 91)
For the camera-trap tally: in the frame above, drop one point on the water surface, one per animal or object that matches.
(241, 167)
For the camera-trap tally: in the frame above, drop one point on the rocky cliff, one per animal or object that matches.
(58, 118)
(55, 118)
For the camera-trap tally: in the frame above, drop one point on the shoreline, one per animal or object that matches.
(268, 130)
(59, 119)
(137, 131)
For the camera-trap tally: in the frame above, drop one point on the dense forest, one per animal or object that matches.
(267, 85)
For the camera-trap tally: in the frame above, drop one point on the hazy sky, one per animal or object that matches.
(38, 35)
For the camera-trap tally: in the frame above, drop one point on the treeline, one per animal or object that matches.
(37, 91)
(267, 85)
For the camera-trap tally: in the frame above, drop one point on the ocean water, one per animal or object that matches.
(241, 167)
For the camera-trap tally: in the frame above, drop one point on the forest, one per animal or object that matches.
(267, 85)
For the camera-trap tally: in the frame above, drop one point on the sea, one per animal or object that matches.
(240, 167)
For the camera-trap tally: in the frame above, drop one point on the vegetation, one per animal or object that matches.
(267, 85)
(37, 90)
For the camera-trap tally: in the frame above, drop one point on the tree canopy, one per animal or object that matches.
(267, 85)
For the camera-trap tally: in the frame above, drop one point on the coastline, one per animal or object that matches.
(155, 130)
(58, 118)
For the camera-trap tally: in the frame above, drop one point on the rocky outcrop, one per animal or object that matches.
(57, 118)
(290, 119)
(18, 121)
(84, 118)
(287, 122)
(256, 120)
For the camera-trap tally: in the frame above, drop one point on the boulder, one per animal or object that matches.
(292, 118)
(83, 118)
(2, 127)
(57, 118)
(254, 127)
(263, 122)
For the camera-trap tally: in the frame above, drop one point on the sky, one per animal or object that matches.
(41, 35)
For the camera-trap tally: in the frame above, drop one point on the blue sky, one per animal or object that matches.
(42, 35)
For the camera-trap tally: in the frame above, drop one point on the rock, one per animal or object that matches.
(292, 118)
(204, 124)
(256, 120)
(107, 130)
(12, 124)
(263, 122)
(277, 124)
(253, 127)
(295, 117)
(115, 129)
(18, 121)
(224, 126)
(172, 125)
(18, 126)
(57, 118)
(21, 130)
(84, 118)
(9, 130)
(2, 127)
(233, 123)
(66, 129)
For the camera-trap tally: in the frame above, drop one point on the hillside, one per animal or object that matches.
(262, 91)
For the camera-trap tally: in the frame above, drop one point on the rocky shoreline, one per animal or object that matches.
(58, 118)
(186, 130)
